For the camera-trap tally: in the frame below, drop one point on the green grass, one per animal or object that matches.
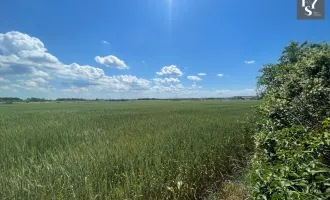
(124, 150)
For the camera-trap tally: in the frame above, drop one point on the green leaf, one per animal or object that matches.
(321, 171)
(276, 196)
(320, 177)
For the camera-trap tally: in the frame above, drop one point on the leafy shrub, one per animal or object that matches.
(291, 167)
(293, 138)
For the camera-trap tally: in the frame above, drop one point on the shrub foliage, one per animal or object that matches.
(292, 143)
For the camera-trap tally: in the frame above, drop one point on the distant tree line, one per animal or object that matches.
(71, 99)
(35, 99)
(6, 99)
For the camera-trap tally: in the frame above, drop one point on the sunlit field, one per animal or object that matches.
(121, 150)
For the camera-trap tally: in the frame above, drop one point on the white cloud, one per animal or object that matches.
(40, 73)
(174, 91)
(3, 80)
(40, 80)
(194, 78)
(25, 56)
(37, 56)
(76, 90)
(28, 83)
(105, 42)
(22, 55)
(201, 74)
(220, 75)
(16, 43)
(134, 82)
(36, 84)
(250, 91)
(170, 71)
(6, 87)
(168, 89)
(249, 62)
(194, 86)
(25, 61)
(166, 80)
(180, 86)
(230, 93)
(222, 91)
(111, 61)
(76, 71)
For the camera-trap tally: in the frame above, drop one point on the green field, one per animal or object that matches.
(122, 150)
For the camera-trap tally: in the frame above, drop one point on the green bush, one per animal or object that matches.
(292, 143)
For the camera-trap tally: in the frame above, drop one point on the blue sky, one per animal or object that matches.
(114, 49)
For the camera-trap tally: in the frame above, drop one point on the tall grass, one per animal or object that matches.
(129, 150)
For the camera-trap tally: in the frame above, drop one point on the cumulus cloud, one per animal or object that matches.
(22, 54)
(171, 70)
(249, 62)
(40, 73)
(36, 84)
(27, 83)
(222, 91)
(121, 83)
(3, 80)
(76, 90)
(201, 74)
(194, 78)
(6, 87)
(178, 88)
(111, 61)
(40, 80)
(76, 71)
(194, 86)
(220, 75)
(166, 80)
(26, 57)
(15, 43)
(134, 82)
(25, 61)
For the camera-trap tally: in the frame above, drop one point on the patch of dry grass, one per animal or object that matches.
(234, 191)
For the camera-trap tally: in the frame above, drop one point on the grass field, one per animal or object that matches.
(122, 150)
